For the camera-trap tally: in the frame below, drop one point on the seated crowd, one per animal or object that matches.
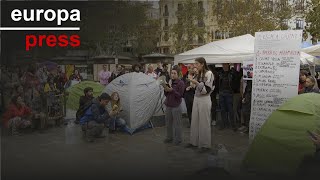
(30, 97)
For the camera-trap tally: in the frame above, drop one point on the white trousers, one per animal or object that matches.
(201, 122)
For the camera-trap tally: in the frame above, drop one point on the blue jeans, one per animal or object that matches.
(116, 122)
(226, 105)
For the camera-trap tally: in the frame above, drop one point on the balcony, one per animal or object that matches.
(166, 14)
(166, 28)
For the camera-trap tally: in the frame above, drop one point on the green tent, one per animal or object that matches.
(76, 91)
(282, 142)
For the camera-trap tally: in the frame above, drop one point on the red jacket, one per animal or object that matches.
(14, 111)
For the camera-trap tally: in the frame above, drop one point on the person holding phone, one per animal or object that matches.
(174, 94)
(116, 122)
(201, 112)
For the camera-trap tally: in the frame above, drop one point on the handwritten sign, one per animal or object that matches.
(276, 74)
(248, 69)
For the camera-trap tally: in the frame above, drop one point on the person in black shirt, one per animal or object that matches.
(226, 81)
(164, 72)
(83, 101)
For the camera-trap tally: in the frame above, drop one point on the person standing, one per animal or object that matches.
(164, 72)
(213, 95)
(226, 98)
(151, 72)
(189, 93)
(174, 93)
(104, 76)
(201, 112)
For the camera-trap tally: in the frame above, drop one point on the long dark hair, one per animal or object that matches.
(205, 68)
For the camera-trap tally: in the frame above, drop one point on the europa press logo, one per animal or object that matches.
(49, 15)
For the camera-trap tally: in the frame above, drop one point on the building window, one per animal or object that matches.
(269, 6)
(200, 40)
(166, 12)
(180, 7)
(166, 25)
(217, 35)
(300, 5)
(166, 50)
(200, 23)
(200, 5)
(299, 24)
(166, 36)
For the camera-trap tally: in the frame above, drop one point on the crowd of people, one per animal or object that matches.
(31, 96)
(205, 89)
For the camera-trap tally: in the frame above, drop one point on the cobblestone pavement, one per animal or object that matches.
(61, 153)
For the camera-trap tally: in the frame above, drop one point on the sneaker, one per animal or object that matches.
(167, 141)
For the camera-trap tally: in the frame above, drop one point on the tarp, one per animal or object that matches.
(235, 50)
(282, 142)
(141, 97)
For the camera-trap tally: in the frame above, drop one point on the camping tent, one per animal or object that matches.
(233, 50)
(282, 142)
(141, 97)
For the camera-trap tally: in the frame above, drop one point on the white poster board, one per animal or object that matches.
(276, 73)
(248, 69)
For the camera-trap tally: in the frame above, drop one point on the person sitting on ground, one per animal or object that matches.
(19, 91)
(83, 101)
(116, 122)
(18, 116)
(302, 80)
(311, 85)
(95, 117)
(38, 111)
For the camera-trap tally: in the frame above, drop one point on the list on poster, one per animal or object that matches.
(276, 74)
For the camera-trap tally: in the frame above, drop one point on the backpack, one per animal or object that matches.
(82, 110)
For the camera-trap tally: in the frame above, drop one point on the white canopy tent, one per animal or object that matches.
(235, 50)
(312, 50)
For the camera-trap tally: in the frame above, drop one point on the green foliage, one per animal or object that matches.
(187, 27)
(250, 16)
(108, 26)
(313, 18)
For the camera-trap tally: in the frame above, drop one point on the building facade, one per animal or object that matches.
(168, 17)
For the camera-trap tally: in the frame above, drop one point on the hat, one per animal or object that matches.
(105, 96)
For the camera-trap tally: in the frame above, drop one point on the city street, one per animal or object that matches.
(119, 155)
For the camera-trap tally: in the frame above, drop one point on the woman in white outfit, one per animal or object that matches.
(201, 111)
